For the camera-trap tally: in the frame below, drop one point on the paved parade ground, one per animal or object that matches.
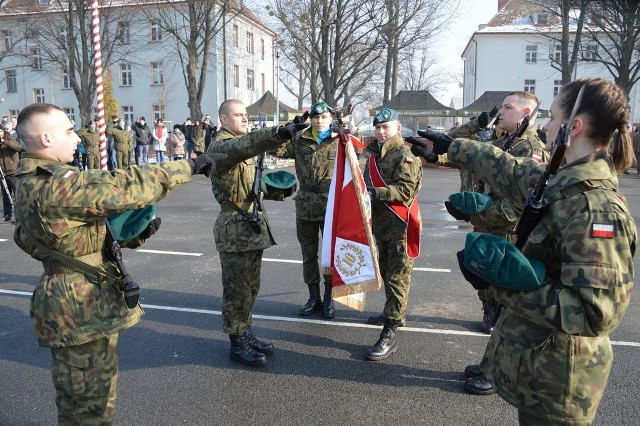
(175, 367)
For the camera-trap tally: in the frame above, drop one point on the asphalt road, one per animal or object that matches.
(175, 368)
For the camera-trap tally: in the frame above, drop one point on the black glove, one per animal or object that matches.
(151, 228)
(441, 141)
(424, 152)
(203, 164)
(477, 282)
(301, 118)
(457, 214)
(288, 131)
(483, 120)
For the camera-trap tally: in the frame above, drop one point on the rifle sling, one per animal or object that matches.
(227, 205)
(578, 188)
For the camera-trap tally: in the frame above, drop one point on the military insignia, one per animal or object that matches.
(600, 230)
(536, 158)
(349, 259)
(409, 160)
(68, 174)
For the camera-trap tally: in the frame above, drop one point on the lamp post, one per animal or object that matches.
(276, 51)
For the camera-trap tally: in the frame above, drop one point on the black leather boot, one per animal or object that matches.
(243, 353)
(315, 301)
(380, 319)
(386, 344)
(479, 385)
(490, 317)
(328, 310)
(472, 370)
(258, 345)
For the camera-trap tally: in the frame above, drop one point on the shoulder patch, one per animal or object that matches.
(536, 158)
(600, 230)
(408, 160)
(69, 174)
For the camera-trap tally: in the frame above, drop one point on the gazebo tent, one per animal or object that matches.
(417, 105)
(265, 108)
(486, 102)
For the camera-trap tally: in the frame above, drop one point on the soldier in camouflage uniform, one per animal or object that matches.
(62, 210)
(550, 353)
(122, 141)
(401, 173)
(315, 152)
(91, 138)
(239, 245)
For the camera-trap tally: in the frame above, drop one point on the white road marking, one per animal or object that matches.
(267, 259)
(312, 321)
(3, 239)
(176, 253)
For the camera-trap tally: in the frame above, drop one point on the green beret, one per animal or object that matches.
(499, 262)
(128, 225)
(279, 185)
(384, 115)
(470, 202)
(319, 108)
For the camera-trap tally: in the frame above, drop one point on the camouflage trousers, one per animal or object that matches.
(122, 157)
(85, 379)
(93, 160)
(396, 269)
(309, 232)
(240, 286)
(468, 181)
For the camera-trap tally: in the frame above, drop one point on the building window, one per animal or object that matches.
(127, 114)
(14, 113)
(541, 19)
(70, 113)
(36, 59)
(531, 56)
(125, 75)
(250, 79)
(263, 82)
(262, 49)
(64, 35)
(557, 84)
(66, 80)
(236, 36)
(11, 79)
(7, 42)
(236, 76)
(156, 31)
(590, 52)
(557, 54)
(249, 42)
(530, 86)
(157, 112)
(124, 36)
(157, 75)
(38, 95)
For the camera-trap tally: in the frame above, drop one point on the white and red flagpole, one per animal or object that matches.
(97, 54)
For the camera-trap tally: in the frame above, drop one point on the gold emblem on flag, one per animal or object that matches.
(349, 259)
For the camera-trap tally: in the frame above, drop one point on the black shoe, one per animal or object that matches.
(258, 345)
(472, 370)
(314, 303)
(380, 319)
(328, 310)
(479, 386)
(7, 218)
(243, 353)
(386, 344)
(487, 323)
(490, 318)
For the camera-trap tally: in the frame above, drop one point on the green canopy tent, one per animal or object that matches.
(486, 102)
(265, 109)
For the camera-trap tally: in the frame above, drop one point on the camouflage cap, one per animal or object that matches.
(499, 262)
(384, 115)
(128, 225)
(319, 108)
(470, 202)
(279, 185)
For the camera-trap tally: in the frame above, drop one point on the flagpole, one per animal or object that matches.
(97, 54)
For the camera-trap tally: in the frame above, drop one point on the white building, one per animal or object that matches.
(146, 73)
(511, 53)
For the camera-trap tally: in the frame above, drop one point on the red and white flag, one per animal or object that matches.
(348, 245)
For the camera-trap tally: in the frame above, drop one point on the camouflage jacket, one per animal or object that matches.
(10, 149)
(402, 172)
(314, 169)
(559, 332)
(92, 141)
(122, 138)
(232, 185)
(65, 211)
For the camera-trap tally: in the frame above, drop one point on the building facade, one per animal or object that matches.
(145, 64)
(514, 51)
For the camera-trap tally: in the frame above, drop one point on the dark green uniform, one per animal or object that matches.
(402, 172)
(75, 315)
(239, 246)
(314, 169)
(123, 143)
(550, 354)
(92, 144)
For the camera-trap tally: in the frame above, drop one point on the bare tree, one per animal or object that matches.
(417, 71)
(614, 28)
(193, 26)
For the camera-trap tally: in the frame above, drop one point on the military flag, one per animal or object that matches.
(348, 247)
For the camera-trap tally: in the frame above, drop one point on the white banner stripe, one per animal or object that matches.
(177, 253)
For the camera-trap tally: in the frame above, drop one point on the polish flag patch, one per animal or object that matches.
(68, 174)
(537, 158)
(600, 230)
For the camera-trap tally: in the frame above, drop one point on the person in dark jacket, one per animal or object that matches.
(143, 139)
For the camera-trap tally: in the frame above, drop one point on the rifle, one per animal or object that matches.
(6, 188)
(520, 130)
(339, 126)
(130, 288)
(257, 202)
(534, 206)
